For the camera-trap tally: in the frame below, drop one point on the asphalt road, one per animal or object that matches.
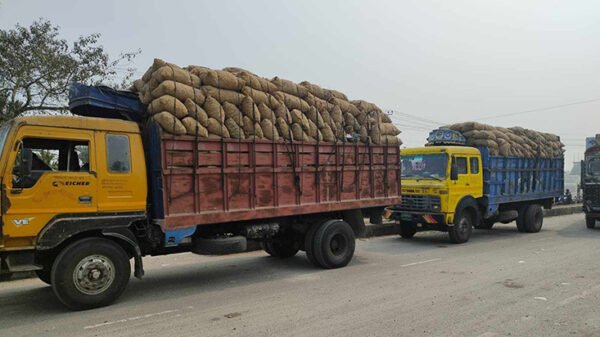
(501, 283)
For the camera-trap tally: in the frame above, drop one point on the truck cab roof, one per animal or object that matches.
(78, 122)
(450, 149)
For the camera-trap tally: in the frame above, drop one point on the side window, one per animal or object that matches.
(474, 165)
(51, 155)
(117, 153)
(461, 163)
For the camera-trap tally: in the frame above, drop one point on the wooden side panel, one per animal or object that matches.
(211, 181)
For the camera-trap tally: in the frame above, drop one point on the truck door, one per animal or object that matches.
(462, 185)
(61, 179)
(475, 177)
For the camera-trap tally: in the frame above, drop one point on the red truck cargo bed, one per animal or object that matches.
(231, 180)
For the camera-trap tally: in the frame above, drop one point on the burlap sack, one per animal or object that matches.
(250, 110)
(283, 112)
(257, 96)
(252, 129)
(137, 85)
(284, 129)
(222, 79)
(389, 129)
(327, 133)
(364, 106)
(223, 95)
(199, 71)
(364, 134)
(266, 113)
(169, 123)
(375, 134)
(269, 130)
(315, 116)
(289, 87)
(235, 131)
(350, 122)
(168, 103)
(214, 110)
(156, 64)
(196, 111)
(322, 104)
(299, 134)
(180, 91)
(232, 112)
(391, 140)
(317, 91)
(170, 73)
(299, 118)
(256, 82)
(313, 130)
(217, 128)
(345, 106)
(338, 95)
(194, 128)
(385, 118)
(292, 102)
(337, 115)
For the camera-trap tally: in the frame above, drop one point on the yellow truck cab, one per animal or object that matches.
(453, 187)
(63, 176)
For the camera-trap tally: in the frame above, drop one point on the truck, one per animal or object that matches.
(451, 187)
(590, 181)
(84, 194)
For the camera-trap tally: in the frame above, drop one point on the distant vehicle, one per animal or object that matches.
(451, 187)
(118, 190)
(590, 181)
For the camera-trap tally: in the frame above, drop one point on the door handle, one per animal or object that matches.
(85, 199)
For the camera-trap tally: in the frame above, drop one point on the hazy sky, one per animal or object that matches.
(442, 61)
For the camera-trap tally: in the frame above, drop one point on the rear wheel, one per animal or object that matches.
(521, 219)
(408, 229)
(90, 273)
(590, 222)
(332, 245)
(533, 219)
(463, 226)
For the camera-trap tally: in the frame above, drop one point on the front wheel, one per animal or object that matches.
(44, 276)
(90, 273)
(463, 226)
(331, 244)
(590, 222)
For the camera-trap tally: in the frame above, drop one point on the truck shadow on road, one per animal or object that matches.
(164, 282)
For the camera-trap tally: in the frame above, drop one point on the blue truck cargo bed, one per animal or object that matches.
(517, 179)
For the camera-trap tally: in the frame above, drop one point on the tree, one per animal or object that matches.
(37, 67)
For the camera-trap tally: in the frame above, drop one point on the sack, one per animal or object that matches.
(252, 129)
(196, 111)
(169, 123)
(289, 87)
(168, 103)
(234, 129)
(217, 128)
(222, 79)
(266, 113)
(214, 110)
(345, 106)
(232, 112)
(269, 130)
(284, 129)
(170, 73)
(317, 91)
(223, 95)
(327, 133)
(292, 102)
(194, 128)
(250, 110)
(180, 91)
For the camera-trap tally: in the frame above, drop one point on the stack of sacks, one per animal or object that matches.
(235, 103)
(511, 142)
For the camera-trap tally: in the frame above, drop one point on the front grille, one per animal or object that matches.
(420, 203)
(591, 192)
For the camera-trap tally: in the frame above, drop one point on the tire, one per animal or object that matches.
(485, 224)
(590, 222)
(284, 247)
(533, 219)
(408, 229)
(463, 227)
(333, 244)
(44, 276)
(90, 273)
(309, 239)
(220, 245)
(521, 219)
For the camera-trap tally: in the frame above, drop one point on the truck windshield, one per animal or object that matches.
(593, 168)
(425, 166)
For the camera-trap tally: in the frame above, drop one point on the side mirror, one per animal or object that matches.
(453, 170)
(25, 163)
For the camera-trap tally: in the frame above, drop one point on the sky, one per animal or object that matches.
(507, 63)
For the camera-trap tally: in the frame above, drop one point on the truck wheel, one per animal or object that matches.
(281, 247)
(408, 229)
(463, 226)
(332, 244)
(533, 219)
(590, 222)
(90, 273)
(44, 276)
(521, 219)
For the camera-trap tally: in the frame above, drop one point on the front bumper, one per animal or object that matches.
(423, 220)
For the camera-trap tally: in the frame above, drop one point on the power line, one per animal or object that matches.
(541, 109)
(421, 119)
